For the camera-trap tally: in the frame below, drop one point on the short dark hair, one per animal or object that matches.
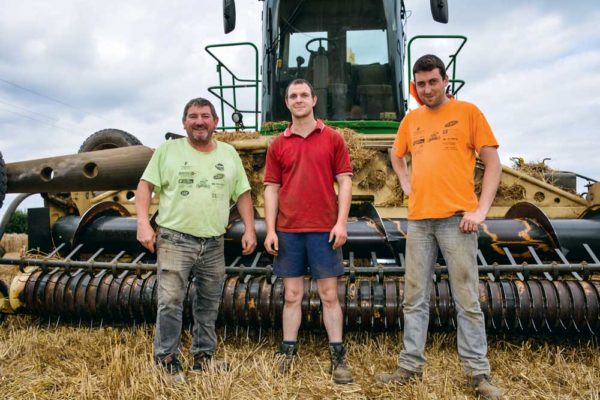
(199, 102)
(300, 82)
(429, 62)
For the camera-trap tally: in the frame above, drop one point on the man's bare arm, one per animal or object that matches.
(143, 196)
(339, 232)
(271, 209)
(244, 206)
(491, 179)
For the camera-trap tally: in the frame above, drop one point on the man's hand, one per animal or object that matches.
(340, 234)
(272, 243)
(470, 221)
(146, 236)
(405, 185)
(248, 241)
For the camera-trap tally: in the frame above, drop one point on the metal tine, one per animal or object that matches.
(401, 257)
(96, 254)
(119, 255)
(548, 325)
(374, 259)
(566, 262)
(256, 259)
(520, 324)
(539, 261)
(237, 260)
(575, 325)
(56, 250)
(72, 253)
(512, 261)
(504, 321)
(483, 262)
(78, 271)
(589, 327)
(561, 324)
(139, 257)
(591, 253)
(533, 325)
(225, 333)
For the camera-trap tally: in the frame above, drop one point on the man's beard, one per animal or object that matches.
(201, 138)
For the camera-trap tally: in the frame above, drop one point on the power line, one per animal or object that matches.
(38, 93)
(38, 120)
(50, 98)
(29, 111)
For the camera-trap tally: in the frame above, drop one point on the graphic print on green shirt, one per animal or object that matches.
(195, 188)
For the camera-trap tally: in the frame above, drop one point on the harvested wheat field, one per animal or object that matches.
(50, 360)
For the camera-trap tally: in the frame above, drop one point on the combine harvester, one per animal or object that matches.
(538, 253)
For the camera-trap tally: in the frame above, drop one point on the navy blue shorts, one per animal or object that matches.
(302, 253)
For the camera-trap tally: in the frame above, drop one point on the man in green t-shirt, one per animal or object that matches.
(196, 178)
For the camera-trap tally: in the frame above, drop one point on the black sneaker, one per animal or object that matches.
(485, 389)
(173, 371)
(204, 362)
(401, 376)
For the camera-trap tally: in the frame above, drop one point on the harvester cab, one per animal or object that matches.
(353, 52)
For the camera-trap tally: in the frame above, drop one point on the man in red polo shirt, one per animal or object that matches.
(306, 220)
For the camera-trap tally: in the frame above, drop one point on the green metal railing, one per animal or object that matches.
(455, 84)
(236, 83)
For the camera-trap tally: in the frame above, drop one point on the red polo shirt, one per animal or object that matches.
(305, 168)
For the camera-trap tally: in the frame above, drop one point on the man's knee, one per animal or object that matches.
(293, 295)
(329, 296)
(171, 293)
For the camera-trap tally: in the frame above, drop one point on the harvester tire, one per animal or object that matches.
(108, 139)
(2, 180)
(3, 295)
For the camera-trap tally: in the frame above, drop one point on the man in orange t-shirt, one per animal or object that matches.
(443, 137)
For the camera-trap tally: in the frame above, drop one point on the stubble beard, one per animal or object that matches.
(201, 139)
(301, 113)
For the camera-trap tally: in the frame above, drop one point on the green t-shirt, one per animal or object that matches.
(195, 187)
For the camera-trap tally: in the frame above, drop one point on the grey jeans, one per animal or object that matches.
(178, 256)
(460, 252)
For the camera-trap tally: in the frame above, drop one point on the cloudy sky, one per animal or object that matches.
(71, 68)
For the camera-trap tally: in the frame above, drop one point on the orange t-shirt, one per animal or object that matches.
(442, 144)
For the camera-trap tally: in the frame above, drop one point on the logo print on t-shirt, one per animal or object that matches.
(184, 193)
(451, 123)
(219, 166)
(203, 183)
(219, 176)
(433, 136)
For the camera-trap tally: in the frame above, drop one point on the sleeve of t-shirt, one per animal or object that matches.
(152, 172)
(481, 131)
(341, 162)
(241, 182)
(400, 147)
(272, 165)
